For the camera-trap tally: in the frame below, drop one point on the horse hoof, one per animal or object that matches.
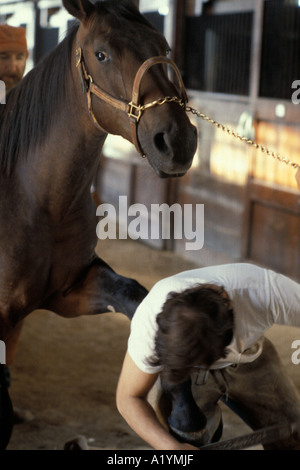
(211, 433)
(196, 438)
(78, 443)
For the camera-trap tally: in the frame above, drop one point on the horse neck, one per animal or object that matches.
(79, 139)
(69, 155)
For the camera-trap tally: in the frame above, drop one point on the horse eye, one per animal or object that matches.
(101, 56)
(168, 52)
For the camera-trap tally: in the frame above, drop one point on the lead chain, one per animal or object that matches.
(162, 101)
(254, 144)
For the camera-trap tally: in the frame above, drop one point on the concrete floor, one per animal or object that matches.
(66, 371)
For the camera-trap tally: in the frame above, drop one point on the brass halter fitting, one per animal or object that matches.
(132, 108)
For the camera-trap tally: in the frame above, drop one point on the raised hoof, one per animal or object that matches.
(211, 433)
(78, 443)
(196, 438)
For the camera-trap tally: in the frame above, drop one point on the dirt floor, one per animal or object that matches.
(66, 371)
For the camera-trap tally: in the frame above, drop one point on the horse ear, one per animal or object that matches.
(81, 9)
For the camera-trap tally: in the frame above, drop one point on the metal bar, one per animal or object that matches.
(267, 435)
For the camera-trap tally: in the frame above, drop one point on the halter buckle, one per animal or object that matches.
(135, 111)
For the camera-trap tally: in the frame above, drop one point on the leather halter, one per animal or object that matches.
(133, 108)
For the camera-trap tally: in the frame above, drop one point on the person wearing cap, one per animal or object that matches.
(13, 55)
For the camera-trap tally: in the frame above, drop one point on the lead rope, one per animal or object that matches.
(254, 144)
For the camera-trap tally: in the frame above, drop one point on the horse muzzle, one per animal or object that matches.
(171, 144)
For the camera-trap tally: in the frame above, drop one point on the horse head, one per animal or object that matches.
(123, 67)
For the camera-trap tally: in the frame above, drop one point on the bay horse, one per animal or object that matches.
(108, 76)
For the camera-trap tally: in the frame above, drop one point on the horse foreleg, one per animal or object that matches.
(99, 289)
(185, 419)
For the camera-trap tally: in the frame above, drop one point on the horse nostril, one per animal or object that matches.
(160, 142)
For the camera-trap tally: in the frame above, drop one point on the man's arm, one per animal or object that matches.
(133, 388)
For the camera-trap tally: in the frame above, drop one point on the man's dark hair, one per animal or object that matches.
(194, 328)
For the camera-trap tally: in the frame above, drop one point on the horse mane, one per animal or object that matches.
(32, 105)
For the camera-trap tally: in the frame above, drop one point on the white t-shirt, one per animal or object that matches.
(260, 298)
